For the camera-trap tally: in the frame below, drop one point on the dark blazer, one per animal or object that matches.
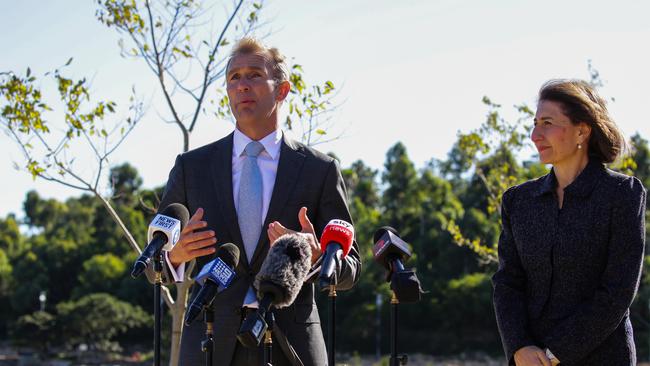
(567, 276)
(305, 177)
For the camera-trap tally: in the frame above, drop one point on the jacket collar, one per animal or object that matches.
(581, 186)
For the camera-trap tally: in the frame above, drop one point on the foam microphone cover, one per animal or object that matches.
(229, 254)
(179, 212)
(285, 269)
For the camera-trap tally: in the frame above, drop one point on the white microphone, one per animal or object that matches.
(164, 232)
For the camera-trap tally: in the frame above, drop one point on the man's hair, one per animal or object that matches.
(274, 59)
(581, 103)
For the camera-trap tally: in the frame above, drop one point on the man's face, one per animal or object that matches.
(252, 92)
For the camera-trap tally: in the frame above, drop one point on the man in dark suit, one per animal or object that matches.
(251, 185)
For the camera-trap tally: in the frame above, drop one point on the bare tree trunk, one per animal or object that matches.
(178, 315)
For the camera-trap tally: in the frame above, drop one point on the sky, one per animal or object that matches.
(409, 71)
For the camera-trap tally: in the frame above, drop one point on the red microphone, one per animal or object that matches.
(336, 242)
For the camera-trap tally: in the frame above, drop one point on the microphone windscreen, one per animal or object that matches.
(338, 231)
(285, 269)
(177, 211)
(229, 254)
(381, 231)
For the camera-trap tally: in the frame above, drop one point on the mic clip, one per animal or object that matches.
(406, 286)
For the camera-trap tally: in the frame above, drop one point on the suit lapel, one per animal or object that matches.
(289, 167)
(222, 179)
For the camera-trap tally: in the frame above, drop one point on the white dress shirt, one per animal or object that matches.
(267, 161)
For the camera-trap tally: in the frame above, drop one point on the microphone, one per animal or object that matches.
(390, 251)
(164, 231)
(278, 283)
(336, 242)
(214, 277)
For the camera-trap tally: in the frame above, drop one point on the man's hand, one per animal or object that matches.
(276, 230)
(193, 244)
(531, 356)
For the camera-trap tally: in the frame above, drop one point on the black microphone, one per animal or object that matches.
(278, 283)
(164, 231)
(214, 277)
(391, 251)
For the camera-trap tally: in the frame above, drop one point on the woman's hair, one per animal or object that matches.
(581, 103)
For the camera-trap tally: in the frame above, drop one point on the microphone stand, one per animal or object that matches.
(157, 327)
(207, 345)
(331, 323)
(395, 359)
(268, 339)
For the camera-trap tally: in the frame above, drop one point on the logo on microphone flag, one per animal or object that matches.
(219, 272)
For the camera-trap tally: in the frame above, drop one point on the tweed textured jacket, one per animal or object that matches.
(567, 277)
(305, 177)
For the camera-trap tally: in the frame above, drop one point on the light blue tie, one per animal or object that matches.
(249, 212)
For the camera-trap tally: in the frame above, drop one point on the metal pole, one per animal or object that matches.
(208, 343)
(394, 303)
(157, 327)
(268, 339)
(331, 324)
(378, 303)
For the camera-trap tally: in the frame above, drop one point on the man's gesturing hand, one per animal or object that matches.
(276, 230)
(193, 243)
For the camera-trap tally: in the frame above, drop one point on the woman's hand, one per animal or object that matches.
(531, 356)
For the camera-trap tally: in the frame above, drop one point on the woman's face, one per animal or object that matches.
(555, 136)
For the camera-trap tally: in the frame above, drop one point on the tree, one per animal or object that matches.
(640, 154)
(47, 152)
(488, 154)
(96, 319)
(398, 201)
(36, 328)
(12, 241)
(100, 273)
(5, 273)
